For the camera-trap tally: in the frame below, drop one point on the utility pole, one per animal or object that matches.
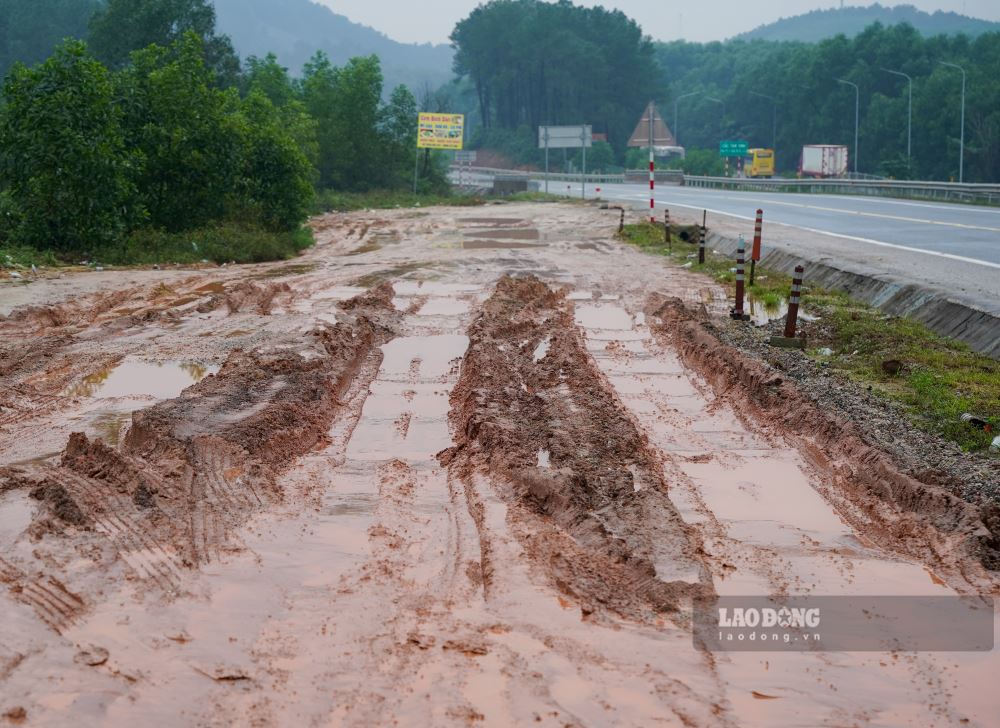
(857, 118)
(909, 113)
(961, 153)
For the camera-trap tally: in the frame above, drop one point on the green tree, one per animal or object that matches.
(124, 26)
(275, 184)
(63, 155)
(178, 122)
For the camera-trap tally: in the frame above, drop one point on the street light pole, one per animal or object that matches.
(961, 153)
(723, 104)
(774, 118)
(676, 102)
(909, 115)
(857, 118)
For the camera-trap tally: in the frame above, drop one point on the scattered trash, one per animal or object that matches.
(995, 447)
(980, 422)
(825, 351)
(99, 268)
(687, 265)
(15, 274)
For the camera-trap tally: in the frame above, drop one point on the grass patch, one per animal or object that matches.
(21, 256)
(334, 201)
(222, 243)
(940, 378)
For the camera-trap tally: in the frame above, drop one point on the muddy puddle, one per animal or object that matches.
(762, 313)
(138, 378)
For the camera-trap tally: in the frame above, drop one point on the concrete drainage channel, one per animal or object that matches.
(939, 310)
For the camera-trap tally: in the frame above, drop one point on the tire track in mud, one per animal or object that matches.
(193, 468)
(405, 545)
(768, 530)
(532, 412)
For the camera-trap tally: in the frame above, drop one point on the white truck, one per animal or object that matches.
(823, 160)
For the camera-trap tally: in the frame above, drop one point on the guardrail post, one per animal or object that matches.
(621, 223)
(667, 237)
(755, 252)
(737, 313)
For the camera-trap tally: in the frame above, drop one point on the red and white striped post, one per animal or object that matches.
(755, 252)
(652, 167)
(737, 313)
(793, 303)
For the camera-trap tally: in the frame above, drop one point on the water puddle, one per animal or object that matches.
(16, 509)
(603, 317)
(508, 234)
(136, 378)
(496, 244)
(762, 314)
(492, 221)
(286, 270)
(441, 306)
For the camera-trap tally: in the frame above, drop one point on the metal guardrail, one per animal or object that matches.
(948, 191)
(617, 178)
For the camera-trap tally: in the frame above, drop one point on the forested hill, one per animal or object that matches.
(819, 24)
(295, 29)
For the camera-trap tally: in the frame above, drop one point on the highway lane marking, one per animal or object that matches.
(950, 256)
(859, 213)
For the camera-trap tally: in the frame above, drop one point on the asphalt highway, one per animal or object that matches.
(960, 232)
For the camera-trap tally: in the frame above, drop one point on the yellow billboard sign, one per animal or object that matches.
(440, 131)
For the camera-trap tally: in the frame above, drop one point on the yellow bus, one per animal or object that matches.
(759, 163)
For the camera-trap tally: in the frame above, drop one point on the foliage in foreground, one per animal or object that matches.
(941, 378)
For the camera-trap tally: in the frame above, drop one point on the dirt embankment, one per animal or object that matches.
(532, 413)
(193, 468)
(895, 510)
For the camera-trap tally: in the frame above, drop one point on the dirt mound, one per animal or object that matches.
(922, 520)
(193, 468)
(252, 296)
(531, 408)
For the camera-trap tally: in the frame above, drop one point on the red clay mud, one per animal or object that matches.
(193, 468)
(599, 517)
(923, 520)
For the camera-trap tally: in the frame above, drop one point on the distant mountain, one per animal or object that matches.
(819, 24)
(295, 29)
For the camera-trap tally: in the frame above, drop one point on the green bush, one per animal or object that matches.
(223, 243)
(64, 159)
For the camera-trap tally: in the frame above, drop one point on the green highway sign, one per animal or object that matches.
(732, 149)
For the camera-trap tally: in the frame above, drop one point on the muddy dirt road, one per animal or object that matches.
(451, 467)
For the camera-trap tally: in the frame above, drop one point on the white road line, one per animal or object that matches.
(881, 243)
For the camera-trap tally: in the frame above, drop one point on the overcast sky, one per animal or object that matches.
(421, 22)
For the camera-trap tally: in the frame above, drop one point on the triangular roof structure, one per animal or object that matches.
(662, 136)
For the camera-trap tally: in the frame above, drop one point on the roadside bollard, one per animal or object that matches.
(737, 313)
(703, 233)
(793, 303)
(621, 223)
(667, 237)
(755, 253)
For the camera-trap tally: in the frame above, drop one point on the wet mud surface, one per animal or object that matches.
(452, 467)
